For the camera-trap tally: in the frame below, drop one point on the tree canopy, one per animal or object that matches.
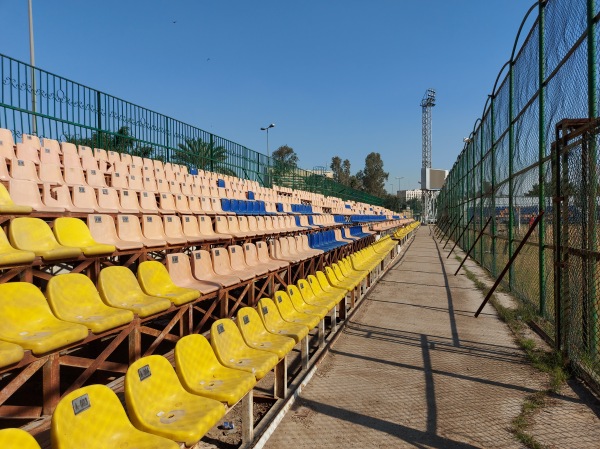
(373, 176)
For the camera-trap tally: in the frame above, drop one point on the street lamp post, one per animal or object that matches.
(32, 57)
(267, 128)
(399, 178)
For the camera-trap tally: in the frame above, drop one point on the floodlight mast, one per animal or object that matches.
(427, 103)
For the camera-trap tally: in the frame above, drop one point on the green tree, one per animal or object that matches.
(196, 153)
(341, 170)
(373, 177)
(285, 163)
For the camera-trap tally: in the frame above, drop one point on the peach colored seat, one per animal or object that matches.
(202, 269)
(7, 144)
(85, 196)
(174, 229)
(276, 253)
(27, 193)
(181, 204)
(28, 152)
(129, 229)
(302, 243)
(60, 196)
(50, 153)
(215, 204)
(166, 204)
(162, 185)
(26, 170)
(295, 249)
(74, 176)
(95, 178)
(206, 205)
(244, 226)
(234, 227)
(180, 270)
(68, 148)
(113, 156)
(251, 257)
(191, 230)
(148, 202)
(108, 200)
(239, 265)
(135, 182)
(194, 204)
(222, 264)
(222, 230)
(51, 173)
(153, 228)
(128, 201)
(264, 257)
(103, 230)
(118, 180)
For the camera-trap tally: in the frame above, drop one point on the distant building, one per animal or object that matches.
(407, 195)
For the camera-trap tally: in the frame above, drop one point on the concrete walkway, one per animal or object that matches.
(415, 369)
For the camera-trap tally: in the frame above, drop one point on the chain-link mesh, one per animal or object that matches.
(534, 151)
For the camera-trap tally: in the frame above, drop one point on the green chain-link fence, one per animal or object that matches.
(540, 115)
(33, 101)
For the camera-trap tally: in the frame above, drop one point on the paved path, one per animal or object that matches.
(415, 369)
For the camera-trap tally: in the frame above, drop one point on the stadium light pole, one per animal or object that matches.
(32, 58)
(267, 128)
(399, 178)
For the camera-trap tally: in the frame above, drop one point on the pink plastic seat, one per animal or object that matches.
(103, 230)
(202, 269)
(129, 229)
(180, 270)
(153, 228)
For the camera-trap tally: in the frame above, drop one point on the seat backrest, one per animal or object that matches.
(23, 169)
(5, 197)
(129, 228)
(233, 224)
(221, 225)
(147, 381)
(71, 231)
(13, 438)
(284, 304)
(128, 200)
(190, 226)
(7, 144)
(73, 297)
(269, 313)
(27, 151)
(154, 278)
(206, 204)
(148, 202)
(31, 234)
(251, 254)
(243, 224)
(173, 227)
(152, 227)
(305, 290)
(221, 262)
(202, 265)
(181, 204)
(74, 176)
(149, 184)
(95, 178)
(180, 270)
(236, 257)
(250, 324)
(118, 282)
(315, 285)
(85, 197)
(205, 224)
(226, 340)
(108, 199)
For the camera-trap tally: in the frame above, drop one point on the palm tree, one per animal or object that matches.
(196, 153)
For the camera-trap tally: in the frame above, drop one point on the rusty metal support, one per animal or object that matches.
(460, 236)
(473, 246)
(510, 262)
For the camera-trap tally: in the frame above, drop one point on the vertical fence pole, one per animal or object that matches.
(481, 192)
(541, 154)
(493, 213)
(592, 178)
(511, 181)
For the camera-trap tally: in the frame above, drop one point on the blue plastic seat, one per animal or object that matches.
(226, 204)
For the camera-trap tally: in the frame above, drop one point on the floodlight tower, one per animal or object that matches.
(427, 103)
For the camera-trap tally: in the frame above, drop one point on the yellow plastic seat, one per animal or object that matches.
(336, 282)
(8, 206)
(154, 279)
(289, 313)
(311, 298)
(258, 337)
(71, 231)
(347, 269)
(17, 439)
(317, 288)
(157, 402)
(33, 234)
(232, 351)
(354, 278)
(119, 288)
(73, 297)
(10, 353)
(201, 373)
(275, 324)
(28, 321)
(12, 256)
(92, 417)
(326, 284)
(302, 306)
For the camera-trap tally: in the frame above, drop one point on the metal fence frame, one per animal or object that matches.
(34, 101)
(504, 169)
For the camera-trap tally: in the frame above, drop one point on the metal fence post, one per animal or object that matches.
(511, 155)
(493, 156)
(541, 155)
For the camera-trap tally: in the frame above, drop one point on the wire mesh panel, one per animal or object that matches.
(542, 102)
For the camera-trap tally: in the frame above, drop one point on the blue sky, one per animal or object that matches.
(337, 77)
